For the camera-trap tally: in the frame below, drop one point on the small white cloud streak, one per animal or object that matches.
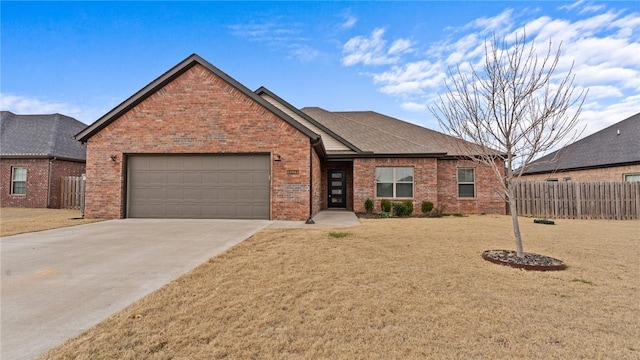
(278, 36)
(349, 22)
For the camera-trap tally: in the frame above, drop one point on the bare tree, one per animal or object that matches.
(515, 108)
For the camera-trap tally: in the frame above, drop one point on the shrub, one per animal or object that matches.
(368, 205)
(427, 206)
(404, 208)
(436, 212)
(385, 205)
(408, 206)
(384, 214)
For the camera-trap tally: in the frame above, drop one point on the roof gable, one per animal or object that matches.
(40, 136)
(615, 145)
(169, 76)
(332, 141)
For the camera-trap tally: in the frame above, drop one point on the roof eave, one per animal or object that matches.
(379, 155)
(578, 168)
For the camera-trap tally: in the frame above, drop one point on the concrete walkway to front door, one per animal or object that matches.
(57, 283)
(324, 219)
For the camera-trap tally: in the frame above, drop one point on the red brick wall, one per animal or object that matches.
(37, 181)
(364, 176)
(198, 113)
(602, 174)
(434, 180)
(60, 169)
(487, 198)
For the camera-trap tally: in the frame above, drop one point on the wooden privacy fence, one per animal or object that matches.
(578, 200)
(72, 196)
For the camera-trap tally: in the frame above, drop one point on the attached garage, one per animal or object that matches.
(198, 186)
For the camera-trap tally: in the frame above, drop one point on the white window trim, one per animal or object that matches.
(395, 182)
(624, 176)
(13, 181)
(458, 183)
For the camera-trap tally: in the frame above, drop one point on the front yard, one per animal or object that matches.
(18, 220)
(391, 289)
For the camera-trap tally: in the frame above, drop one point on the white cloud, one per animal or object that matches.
(371, 50)
(415, 107)
(29, 105)
(279, 36)
(602, 45)
(349, 21)
(399, 46)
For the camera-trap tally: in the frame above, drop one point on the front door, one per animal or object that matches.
(337, 189)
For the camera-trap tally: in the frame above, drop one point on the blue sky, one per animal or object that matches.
(84, 58)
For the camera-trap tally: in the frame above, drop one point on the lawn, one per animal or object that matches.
(391, 289)
(18, 220)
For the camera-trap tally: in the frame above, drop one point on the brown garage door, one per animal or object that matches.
(198, 186)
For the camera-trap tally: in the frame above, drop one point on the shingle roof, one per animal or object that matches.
(615, 145)
(376, 133)
(40, 136)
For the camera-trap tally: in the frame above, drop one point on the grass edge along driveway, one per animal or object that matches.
(15, 221)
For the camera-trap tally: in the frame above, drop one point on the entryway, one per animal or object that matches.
(337, 189)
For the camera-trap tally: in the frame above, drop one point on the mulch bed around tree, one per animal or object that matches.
(529, 261)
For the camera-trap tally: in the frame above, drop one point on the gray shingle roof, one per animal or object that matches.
(380, 134)
(615, 145)
(40, 136)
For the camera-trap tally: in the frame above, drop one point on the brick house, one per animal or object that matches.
(36, 151)
(611, 154)
(195, 143)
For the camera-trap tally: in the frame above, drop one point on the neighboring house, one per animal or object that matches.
(195, 143)
(611, 154)
(36, 151)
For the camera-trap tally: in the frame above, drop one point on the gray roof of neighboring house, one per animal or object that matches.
(47, 136)
(615, 145)
(380, 134)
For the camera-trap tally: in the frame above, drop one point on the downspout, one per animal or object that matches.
(51, 160)
(310, 220)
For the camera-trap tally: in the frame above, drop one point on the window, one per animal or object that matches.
(631, 177)
(567, 179)
(552, 180)
(394, 182)
(466, 183)
(18, 180)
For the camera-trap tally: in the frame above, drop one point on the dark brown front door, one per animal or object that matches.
(337, 189)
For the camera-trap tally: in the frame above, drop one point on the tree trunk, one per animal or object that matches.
(516, 224)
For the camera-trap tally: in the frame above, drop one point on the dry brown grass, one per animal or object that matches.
(391, 289)
(18, 220)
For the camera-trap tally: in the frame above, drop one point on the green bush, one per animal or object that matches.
(368, 205)
(404, 208)
(427, 206)
(384, 214)
(385, 205)
(408, 206)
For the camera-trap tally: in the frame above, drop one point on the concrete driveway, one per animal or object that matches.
(57, 283)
